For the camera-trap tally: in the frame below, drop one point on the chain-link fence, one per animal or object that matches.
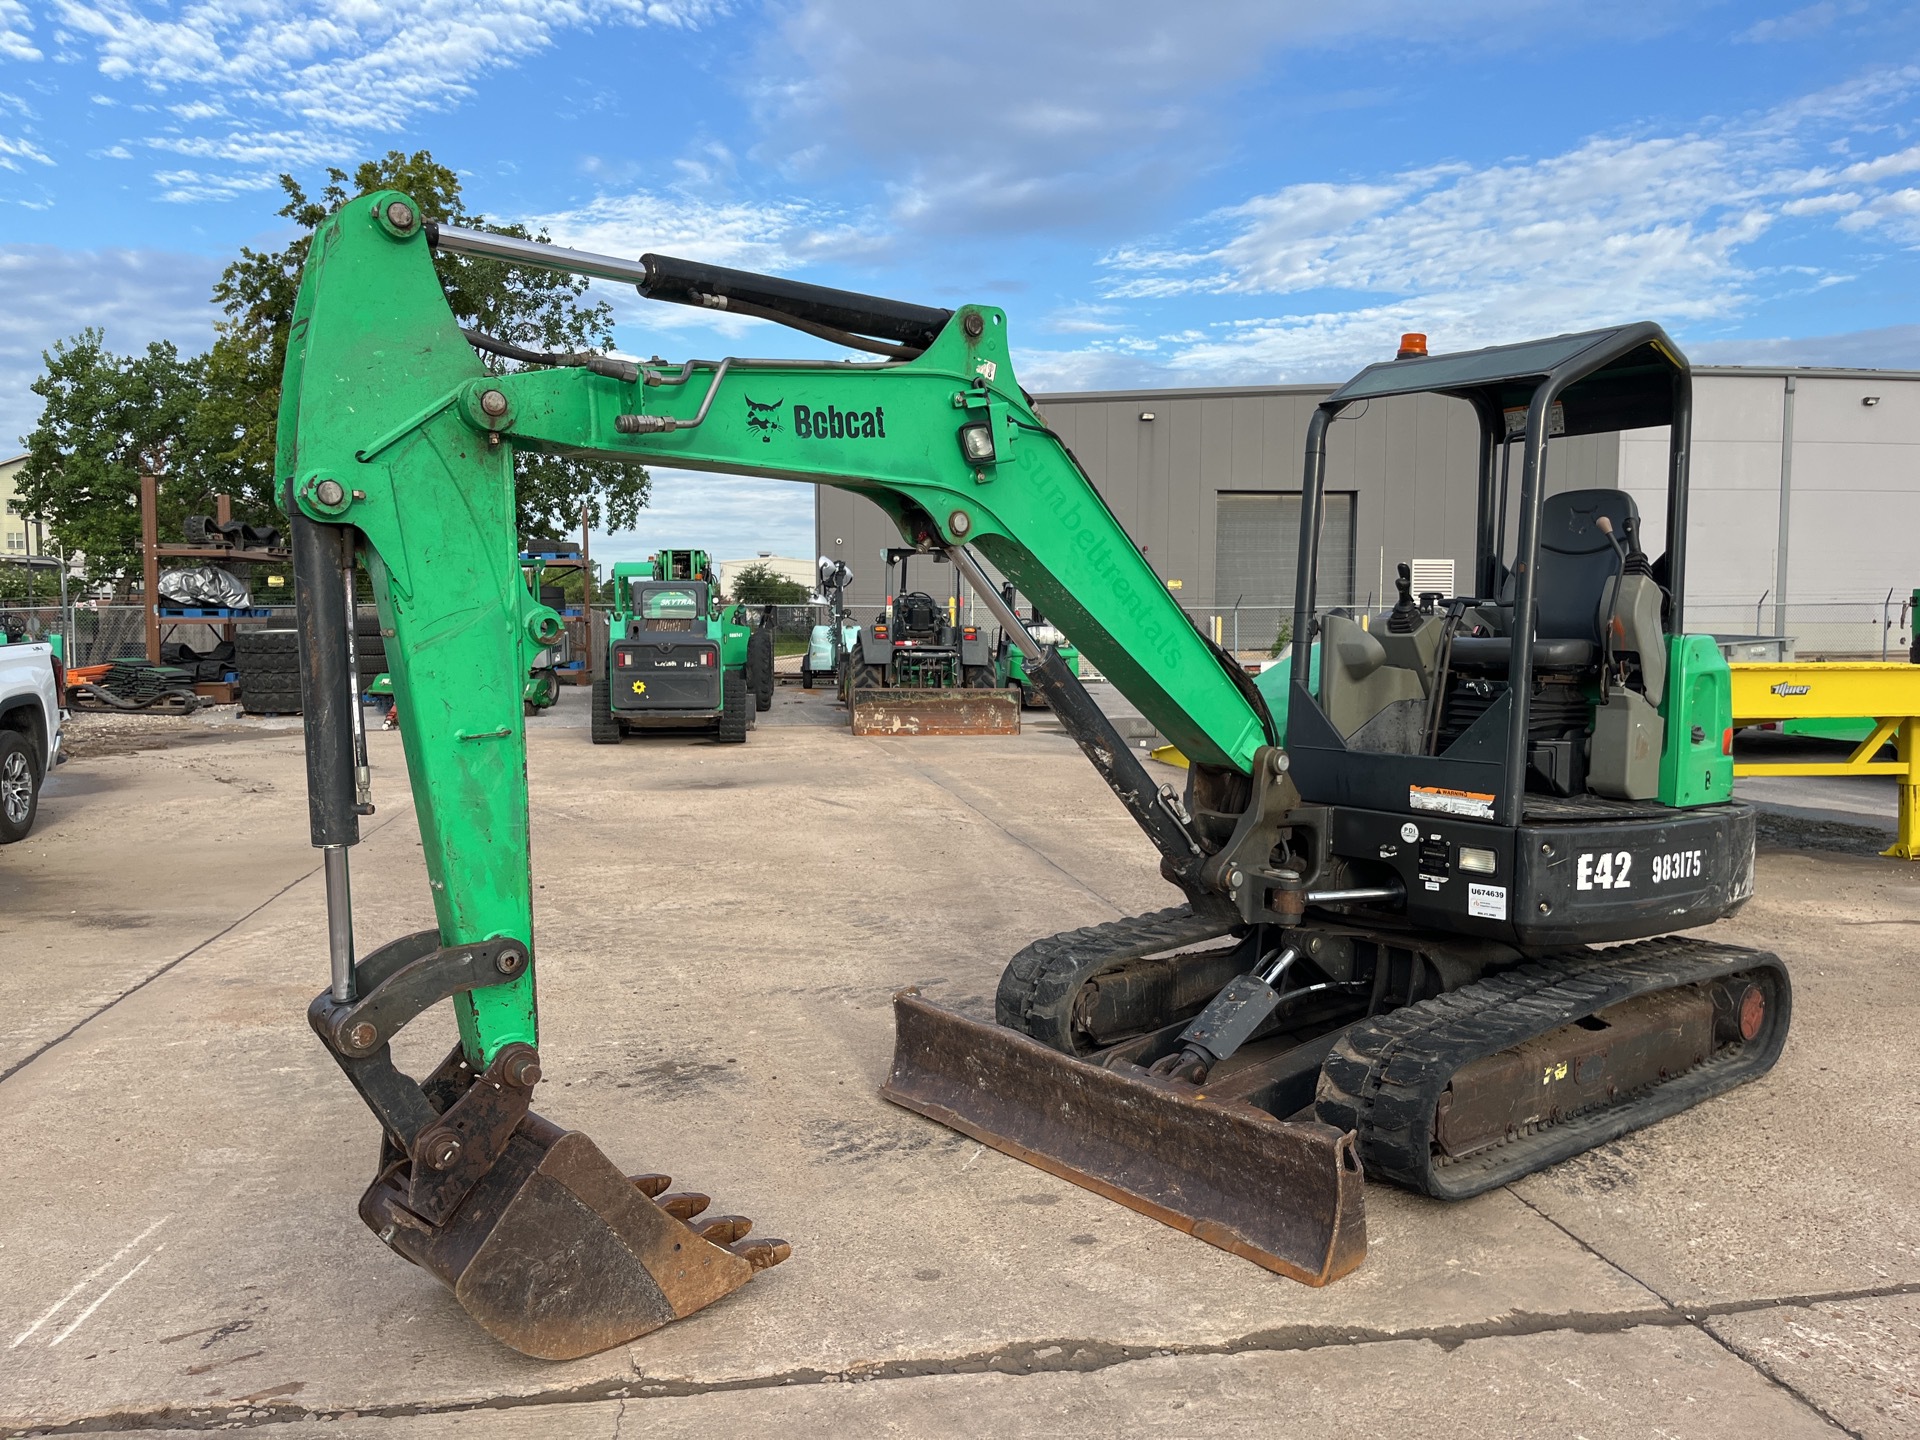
(1814, 630)
(1835, 629)
(96, 634)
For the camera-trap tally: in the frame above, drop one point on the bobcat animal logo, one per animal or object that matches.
(761, 418)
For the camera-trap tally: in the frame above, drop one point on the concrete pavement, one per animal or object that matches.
(720, 930)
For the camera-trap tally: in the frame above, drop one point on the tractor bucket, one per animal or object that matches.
(1285, 1194)
(558, 1254)
(886, 710)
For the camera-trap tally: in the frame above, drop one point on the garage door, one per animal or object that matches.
(1256, 544)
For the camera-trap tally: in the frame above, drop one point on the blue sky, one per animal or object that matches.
(1227, 192)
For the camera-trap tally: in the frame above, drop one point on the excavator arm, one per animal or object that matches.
(396, 453)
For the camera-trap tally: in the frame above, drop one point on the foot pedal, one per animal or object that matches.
(558, 1254)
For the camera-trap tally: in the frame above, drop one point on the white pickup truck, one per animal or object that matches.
(32, 684)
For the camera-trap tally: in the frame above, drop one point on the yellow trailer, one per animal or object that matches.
(1823, 690)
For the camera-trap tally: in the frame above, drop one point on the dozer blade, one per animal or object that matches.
(558, 1254)
(1285, 1194)
(889, 711)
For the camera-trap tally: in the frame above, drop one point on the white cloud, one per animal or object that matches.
(1802, 24)
(1611, 230)
(15, 27)
(728, 516)
(1005, 115)
(298, 82)
(136, 296)
(1888, 347)
(12, 152)
(778, 236)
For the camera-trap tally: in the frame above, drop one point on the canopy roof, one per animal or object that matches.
(1616, 379)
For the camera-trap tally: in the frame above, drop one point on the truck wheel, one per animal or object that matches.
(19, 786)
(806, 676)
(605, 729)
(760, 667)
(733, 710)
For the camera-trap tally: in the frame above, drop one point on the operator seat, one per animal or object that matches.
(915, 614)
(1576, 562)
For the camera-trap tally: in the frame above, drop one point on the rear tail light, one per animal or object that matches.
(706, 657)
(60, 679)
(971, 632)
(1726, 741)
(879, 632)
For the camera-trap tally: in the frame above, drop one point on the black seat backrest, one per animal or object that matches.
(914, 613)
(1576, 560)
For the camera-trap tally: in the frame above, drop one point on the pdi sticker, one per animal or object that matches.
(1488, 902)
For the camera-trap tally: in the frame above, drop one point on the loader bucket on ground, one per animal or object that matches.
(1285, 1194)
(886, 710)
(558, 1254)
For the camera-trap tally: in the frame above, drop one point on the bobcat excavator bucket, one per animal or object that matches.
(542, 1239)
(558, 1254)
(1285, 1194)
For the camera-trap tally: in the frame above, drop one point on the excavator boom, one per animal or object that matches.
(1300, 942)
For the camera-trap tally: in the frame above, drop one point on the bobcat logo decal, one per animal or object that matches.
(761, 418)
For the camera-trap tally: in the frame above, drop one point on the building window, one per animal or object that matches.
(1256, 545)
(16, 542)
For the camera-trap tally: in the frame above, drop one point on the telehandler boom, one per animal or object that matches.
(1380, 962)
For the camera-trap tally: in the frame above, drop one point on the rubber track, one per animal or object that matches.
(1038, 987)
(1385, 1076)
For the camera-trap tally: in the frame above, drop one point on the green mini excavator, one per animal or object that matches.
(1431, 869)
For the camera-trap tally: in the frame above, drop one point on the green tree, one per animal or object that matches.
(107, 419)
(233, 435)
(760, 584)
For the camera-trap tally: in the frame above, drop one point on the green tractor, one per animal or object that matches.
(919, 643)
(677, 656)
(1046, 633)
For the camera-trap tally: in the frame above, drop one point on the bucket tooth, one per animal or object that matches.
(652, 1186)
(723, 1229)
(761, 1254)
(683, 1205)
(1285, 1194)
(558, 1254)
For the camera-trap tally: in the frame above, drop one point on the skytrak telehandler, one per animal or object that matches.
(1395, 855)
(676, 655)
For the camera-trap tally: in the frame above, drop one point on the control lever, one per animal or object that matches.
(1605, 527)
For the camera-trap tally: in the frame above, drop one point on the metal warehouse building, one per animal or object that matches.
(1805, 496)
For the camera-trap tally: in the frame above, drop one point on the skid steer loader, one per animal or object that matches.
(1396, 855)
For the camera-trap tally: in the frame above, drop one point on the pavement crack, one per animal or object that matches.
(1777, 1380)
(180, 959)
(1581, 1240)
(1696, 1316)
(1026, 1357)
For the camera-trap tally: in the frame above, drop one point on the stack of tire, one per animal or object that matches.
(369, 648)
(268, 661)
(760, 667)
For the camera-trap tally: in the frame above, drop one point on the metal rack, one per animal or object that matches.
(152, 552)
(579, 627)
